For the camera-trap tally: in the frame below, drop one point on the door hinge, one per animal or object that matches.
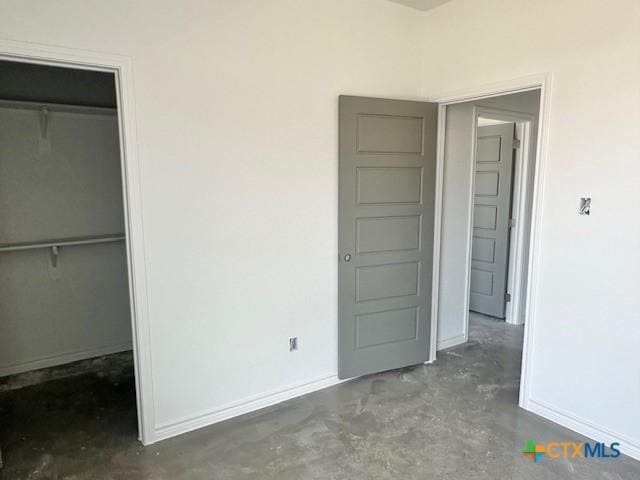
(507, 297)
(516, 143)
(512, 223)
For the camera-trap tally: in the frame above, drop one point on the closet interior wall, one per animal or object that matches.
(64, 292)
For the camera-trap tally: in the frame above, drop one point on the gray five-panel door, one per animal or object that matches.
(386, 213)
(491, 212)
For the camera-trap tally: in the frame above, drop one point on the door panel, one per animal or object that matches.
(386, 202)
(387, 234)
(388, 185)
(491, 209)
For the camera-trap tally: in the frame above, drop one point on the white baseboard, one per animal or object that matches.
(247, 405)
(628, 446)
(451, 342)
(61, 359)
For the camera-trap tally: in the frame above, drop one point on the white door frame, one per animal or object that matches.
(121, 67)
(517, 241)
(540, 82)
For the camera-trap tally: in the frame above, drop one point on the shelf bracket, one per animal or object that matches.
(44, 119)
(55, 255)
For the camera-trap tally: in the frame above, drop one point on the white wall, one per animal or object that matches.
(585, 372)
(456, 201)
(63, 185)
(236, 105)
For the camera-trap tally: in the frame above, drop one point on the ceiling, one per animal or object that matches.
(421, 4)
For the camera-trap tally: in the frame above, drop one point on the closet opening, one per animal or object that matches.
(66, 347)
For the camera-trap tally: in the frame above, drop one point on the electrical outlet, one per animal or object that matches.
(293, 344)
(585, 206)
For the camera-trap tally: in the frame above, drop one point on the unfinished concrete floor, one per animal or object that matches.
(455, 419)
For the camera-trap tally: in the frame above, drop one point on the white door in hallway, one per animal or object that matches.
(491, 212)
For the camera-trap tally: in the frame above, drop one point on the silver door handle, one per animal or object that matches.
(347, 257)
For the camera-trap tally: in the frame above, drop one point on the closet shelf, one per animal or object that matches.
(63, 242)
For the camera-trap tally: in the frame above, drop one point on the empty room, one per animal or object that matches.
(319, 239)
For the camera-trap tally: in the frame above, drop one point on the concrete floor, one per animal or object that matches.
(119, 366)
(455, 419)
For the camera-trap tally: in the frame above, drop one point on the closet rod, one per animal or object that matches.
(66, 242)
(57, 107)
